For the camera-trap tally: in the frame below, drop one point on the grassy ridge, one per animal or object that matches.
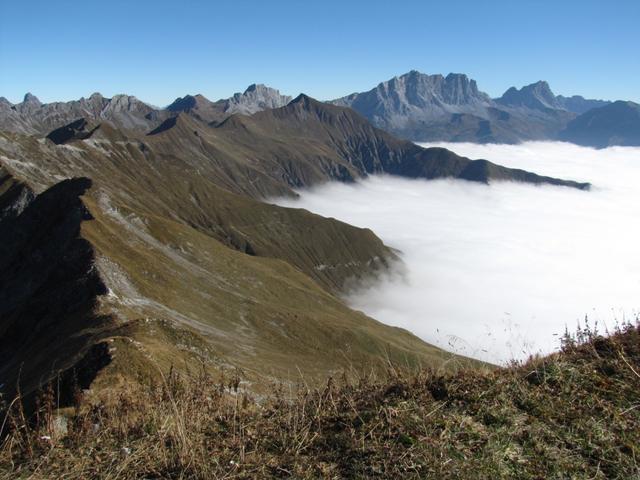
(574, 414)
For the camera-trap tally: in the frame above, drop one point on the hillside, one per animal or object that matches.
(570, 415)
(160, 246)
(614, 124)
(325, 142)
(82, 274)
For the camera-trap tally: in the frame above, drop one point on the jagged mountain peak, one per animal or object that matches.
(455, 88)
(303, 103)
(259, 87)
(188, 102)
(255, 98)
(304, 99)
(403, 103)
(536, 95)
(31, 99)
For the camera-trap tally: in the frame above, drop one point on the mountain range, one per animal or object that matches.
(414, 106)
(429, 108)
(134, 238)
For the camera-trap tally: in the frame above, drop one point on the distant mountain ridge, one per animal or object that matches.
(415, 106)
(539, 96)
(34, 117)
(255, 98)
(423, 107)
(414, 97)
(127, 112)
(617, 123)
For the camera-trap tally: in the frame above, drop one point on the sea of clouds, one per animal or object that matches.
(497, 272)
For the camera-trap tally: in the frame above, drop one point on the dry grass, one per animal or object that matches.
(575, 414)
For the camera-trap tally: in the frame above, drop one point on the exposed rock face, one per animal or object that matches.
(423, 107)
(255, 99)
(615, 124)
(580, 105)
(537, 96)
(403, 102)
(33, 117)
(414, 106)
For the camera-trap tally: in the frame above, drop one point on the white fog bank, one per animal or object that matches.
(497, 272)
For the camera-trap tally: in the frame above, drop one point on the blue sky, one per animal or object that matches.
(158, 50)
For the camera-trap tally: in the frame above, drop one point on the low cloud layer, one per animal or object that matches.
(497, 272)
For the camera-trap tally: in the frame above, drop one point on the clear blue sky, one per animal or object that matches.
(158, 50)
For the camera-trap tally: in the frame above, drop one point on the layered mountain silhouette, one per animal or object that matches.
(135, 239)
(538, 96)
(254, 99)
(414, 106)
(615, 124)
(33, 117)
(127, 112)
(424, 107)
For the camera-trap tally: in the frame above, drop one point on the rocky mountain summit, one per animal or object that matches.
(127, 112)
(414, 106)
(33, 117)
(412, 99)
(255, 98)
(538, 96)
(423, 107)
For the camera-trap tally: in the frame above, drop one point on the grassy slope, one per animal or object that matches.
(570, 415)
(259, 314)
(163, 292)
(186, 189)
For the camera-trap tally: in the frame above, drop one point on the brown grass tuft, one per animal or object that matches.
(574, 414)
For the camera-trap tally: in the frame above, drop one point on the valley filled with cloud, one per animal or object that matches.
(498, 271)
